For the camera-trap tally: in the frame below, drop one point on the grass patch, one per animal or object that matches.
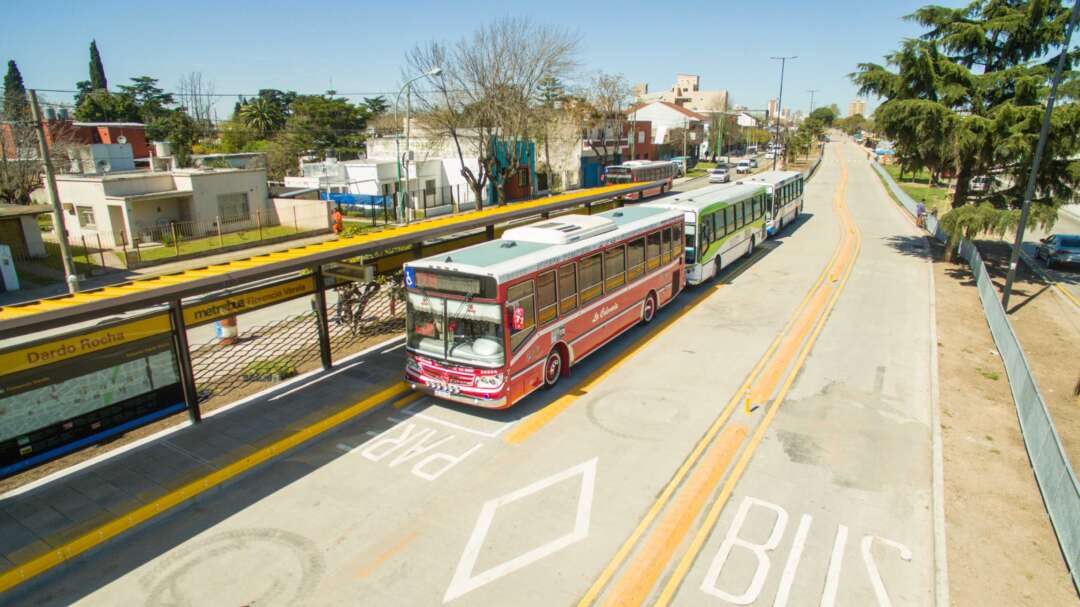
(700, 169)
(85, 258)
(269, 370)
(209, 243)
(918, 186)
(991, 375)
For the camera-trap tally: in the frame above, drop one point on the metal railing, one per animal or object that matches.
(1053, 472)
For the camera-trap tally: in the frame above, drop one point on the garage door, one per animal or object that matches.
(11, 234)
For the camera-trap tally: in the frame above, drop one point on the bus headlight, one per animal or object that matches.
(490, 381)
(412, 367)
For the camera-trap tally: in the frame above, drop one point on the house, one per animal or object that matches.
(664, 117)
(19, 229)
(639, 145)
(746, 120)
(121, 207)
(59, 130)
(601, 145)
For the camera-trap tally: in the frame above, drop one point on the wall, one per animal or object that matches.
(206, 186)
(303, 214)
(32, 234)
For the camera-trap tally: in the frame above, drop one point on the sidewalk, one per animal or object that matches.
(120, 276)
(54, 520)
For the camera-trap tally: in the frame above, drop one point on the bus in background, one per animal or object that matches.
(723, 223)
(642, 171)
(785, 190)
(488, 324)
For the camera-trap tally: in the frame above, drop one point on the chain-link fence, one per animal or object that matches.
(280, 347)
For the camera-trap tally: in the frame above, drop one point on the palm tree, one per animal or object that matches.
(262, 116)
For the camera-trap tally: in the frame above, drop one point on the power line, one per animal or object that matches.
(255, 94)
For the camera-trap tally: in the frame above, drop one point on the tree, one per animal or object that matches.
(262, 116)
(327, 123)
(484, 100)
(196, 96)
(83, 90)
(825, 115)
(854, 124)
(969, 96)
(103, 106)
(376, 105)
(550, 97)
(179, 129)
(15, 106)
(608, 96)
(97, 69)
(151, 100)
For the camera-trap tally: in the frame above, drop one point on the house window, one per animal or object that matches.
(233, 206)
(641, 136)
(86, 217)
(523, 178)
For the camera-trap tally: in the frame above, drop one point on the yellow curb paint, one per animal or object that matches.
(17, 575)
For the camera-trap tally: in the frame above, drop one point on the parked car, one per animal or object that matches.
(770, 155)
(742, 167)
(753, 163)
(1058, 249)
(719, 174)
(982, 183)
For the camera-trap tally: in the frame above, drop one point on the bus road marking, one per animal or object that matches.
(413, 444)
(412, 411)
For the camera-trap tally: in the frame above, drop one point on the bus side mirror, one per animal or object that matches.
(518, 318)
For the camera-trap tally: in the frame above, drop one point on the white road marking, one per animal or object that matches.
(397, 347)
(832, 580)
(708, 585)
(409, 444)
(465, 580)
(871, 566)
(412, 412)
(792, 564)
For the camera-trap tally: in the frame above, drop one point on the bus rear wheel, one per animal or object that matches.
(553, 368)
(648, 312)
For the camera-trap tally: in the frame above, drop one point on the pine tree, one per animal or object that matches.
(15, 104)
(97, 69)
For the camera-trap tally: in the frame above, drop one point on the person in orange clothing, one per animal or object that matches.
(339, 221)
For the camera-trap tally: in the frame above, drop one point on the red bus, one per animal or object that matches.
(488, 324)
(642, 171)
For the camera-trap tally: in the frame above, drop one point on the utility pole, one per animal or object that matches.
(54, 198)
(812, 91)
(1043, 132)
(780, 100)
(685, 136)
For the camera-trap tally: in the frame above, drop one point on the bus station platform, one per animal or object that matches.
(49, 523)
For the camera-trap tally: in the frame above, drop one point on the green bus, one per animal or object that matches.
(723, 222)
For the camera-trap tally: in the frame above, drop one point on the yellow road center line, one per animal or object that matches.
(688, 558)
(36, 566)
(649, 563)
(1067, 293)
(627, 546)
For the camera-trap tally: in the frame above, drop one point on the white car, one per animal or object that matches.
(719, 174)
(742, 167)
(770, 155)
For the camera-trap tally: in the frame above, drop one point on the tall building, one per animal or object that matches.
(773, 104)
(688, 94)
(856, 107)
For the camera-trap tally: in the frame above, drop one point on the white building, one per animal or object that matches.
(666, 116)
(118, 207)
(688, 94)
(746, 120)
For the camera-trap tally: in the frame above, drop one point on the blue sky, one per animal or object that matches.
(304, 46)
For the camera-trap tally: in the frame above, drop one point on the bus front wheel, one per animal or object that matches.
(553, 368)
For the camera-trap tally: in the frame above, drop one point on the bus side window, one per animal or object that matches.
(676, 240)
(706, 225)
(567, 288)
(521, 296)
(652, 250)
(547, 301)
(614, 267)
(635, 259)
(590, 278)
(737, 209)
(754, 206)
(666, 246)
(729, 219)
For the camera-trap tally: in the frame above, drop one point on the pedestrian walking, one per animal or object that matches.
(920, 214)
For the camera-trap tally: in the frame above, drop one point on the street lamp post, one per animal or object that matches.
(780, 100)
(1039, 147)
(403, 159)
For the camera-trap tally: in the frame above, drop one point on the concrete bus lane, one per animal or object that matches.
(425, 503)
(835, 507)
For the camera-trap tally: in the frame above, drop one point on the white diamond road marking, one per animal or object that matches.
(465, 580)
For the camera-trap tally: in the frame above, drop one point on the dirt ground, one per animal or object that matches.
(1001, 547)
(1049, 328)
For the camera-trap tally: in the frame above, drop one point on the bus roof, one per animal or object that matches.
(772, 178)
(525, 249)
(702, 199)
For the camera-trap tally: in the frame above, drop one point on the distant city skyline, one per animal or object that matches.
(310, 48)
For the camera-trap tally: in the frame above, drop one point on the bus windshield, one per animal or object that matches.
(459, 331)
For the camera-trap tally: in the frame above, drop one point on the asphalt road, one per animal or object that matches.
(1067, 223)
(563, 497)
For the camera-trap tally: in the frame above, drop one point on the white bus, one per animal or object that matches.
(723, 223)
(785, 190)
